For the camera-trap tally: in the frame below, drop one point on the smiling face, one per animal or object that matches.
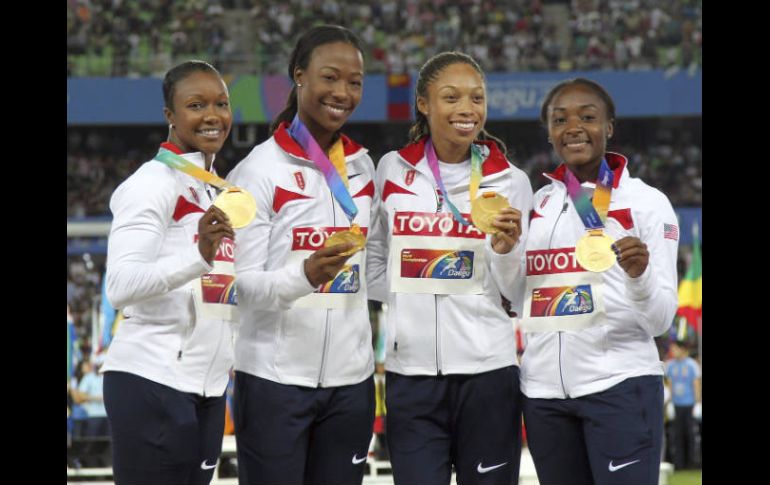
(329, 89)
(578, 129)
(200, 113)
(455, 105)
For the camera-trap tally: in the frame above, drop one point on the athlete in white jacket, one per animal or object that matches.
(304, 392)
(167, 368)
(590, 371)
(290, 334)
(452, 378)
(432, 334)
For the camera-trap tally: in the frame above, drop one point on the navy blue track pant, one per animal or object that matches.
(612, 437)
(161, 435)
(470, 421)
(293, 435)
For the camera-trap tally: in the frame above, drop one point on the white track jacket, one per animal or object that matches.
(462, 329)
(290, 333)
(619, 315)
(152, 264)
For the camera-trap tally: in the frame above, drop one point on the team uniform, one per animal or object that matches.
(590, 372)
(452, 377)
(167, 367)
(304, 393)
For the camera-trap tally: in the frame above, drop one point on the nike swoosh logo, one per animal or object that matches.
(353, 175)
(482, 469)
(357, 461)
(616, 468)
(204, 466)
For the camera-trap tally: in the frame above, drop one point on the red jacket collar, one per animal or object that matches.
(616, 162)
(171, 147)
(290, 145)
(494, 163)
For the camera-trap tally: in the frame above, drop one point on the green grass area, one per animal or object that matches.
(686, 477)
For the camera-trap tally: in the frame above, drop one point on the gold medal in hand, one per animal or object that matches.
(239, 205)
(353, 235)
(485, 208)
(594, 251)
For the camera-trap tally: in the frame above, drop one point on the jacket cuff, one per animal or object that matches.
(513, 255)
(297, 282)
(641, 287)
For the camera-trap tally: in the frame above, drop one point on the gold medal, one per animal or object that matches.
(485, 208)
(238, 204)
(594, 251)
(354, 235)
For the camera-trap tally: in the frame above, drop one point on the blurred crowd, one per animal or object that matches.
(98, 160)
(146, 37)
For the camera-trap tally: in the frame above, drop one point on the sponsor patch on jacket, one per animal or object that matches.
(437, 264)
(561, 301)
(552, 261)
(433, 224)
(346, 281)
(314, 238)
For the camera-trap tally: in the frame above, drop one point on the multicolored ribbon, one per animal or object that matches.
(593, 214)
(183, 165)
(334, 180)
(477, 159)
(337, 157)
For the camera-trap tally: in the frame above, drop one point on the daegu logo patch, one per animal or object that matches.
(437, 264)
(561, 301)
(346, 281)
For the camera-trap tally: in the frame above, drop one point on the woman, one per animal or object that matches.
(591, 374)
(452, 378)
(166, 369)
(304, 393)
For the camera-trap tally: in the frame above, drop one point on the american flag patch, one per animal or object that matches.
(671, 231)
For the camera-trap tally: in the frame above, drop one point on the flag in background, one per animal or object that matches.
(690, 290)
(398, 96)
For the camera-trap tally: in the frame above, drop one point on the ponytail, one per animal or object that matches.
(288, 113)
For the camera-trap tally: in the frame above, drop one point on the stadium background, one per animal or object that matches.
(647, 53)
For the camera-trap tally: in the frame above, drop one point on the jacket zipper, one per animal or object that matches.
(564, 208)
(326, 325)
(213, 358)
(188, 328)
(324, 350)
(438, 339)
(561, 375)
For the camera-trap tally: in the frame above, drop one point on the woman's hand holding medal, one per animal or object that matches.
(324, 264)
(212, 227)
(632, 254)
(508, 221)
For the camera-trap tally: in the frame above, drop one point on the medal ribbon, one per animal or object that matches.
(334, 176)
(593, 214)
(476, 160)
(183, 165)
